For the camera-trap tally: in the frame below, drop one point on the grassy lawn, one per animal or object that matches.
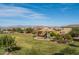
(2, 51)
(29, 46)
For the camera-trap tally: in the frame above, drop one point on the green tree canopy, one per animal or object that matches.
(29, 30)
(19, 30)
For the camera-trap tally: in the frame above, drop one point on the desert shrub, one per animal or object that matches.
(7, 42)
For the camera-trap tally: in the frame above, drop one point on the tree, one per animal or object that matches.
(29, 30)
(13, 29)
(19, 30)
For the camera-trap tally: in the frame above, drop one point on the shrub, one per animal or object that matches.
(7, 42)
(29, 30)
(69, 38)
(52, 34)
(19, 30)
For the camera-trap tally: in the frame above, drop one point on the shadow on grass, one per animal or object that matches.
(10, 49)
(15, 48)
(73, 45)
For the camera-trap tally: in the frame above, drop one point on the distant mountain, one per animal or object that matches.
(72, 25)
(21, 26)
(34, 26)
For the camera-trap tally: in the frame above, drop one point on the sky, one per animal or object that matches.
(47, 14)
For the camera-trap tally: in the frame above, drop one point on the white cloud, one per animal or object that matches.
(12, 11)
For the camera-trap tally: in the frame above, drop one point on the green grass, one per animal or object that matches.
(2, 51)
(29, 46)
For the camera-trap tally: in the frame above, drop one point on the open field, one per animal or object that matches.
(29, 46)
(27, 43)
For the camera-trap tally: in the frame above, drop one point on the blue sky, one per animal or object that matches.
(52, 14)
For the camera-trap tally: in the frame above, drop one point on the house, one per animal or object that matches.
(43, 33)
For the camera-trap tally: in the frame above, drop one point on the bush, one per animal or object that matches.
(52, 34)
(7, 42)
(69, 38)
(29, 30)
(19, 30)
